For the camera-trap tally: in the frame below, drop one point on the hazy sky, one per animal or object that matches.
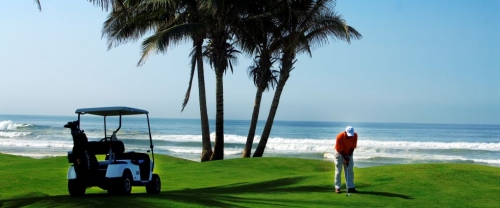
(419, 61)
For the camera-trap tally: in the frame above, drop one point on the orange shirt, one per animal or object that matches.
(344, 144)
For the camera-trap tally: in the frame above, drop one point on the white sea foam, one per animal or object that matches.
(36, 155)
(196, 150)
(367, 150)
(184, 150)
(491, 162)
(177, 138)
(364, 157)
(35, 143)
(377, 144)
(429, 145)
(22, 125)
(374, 146)
(7, 125)
(10, 134)
(278, 143)
(274, 144)
(10, 125)
(228, 138)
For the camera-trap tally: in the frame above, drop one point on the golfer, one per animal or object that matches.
(344, 147)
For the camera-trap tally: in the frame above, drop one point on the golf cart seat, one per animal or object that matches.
(101, 148)
(137, 158)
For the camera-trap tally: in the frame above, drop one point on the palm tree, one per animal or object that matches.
(187, 22)
(222, 18)
(172, 21)
(263, 78)
(303, 24)
(217, 21)
(194, 17)
(219, 18)
(256, 37)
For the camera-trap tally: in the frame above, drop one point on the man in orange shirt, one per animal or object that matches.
(344, 147)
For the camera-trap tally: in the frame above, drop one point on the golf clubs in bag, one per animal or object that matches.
(83, 160)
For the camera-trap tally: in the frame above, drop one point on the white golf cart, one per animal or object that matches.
(120, 170)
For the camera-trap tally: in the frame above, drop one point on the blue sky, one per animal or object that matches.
(419, 61)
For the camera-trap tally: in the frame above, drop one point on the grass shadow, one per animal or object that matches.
(386, 194)
(219, 196)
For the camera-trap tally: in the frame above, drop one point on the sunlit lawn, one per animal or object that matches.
(258, 182)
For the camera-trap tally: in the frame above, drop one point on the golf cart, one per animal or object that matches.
(120, 170)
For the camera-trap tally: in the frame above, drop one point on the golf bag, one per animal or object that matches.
(84, 160)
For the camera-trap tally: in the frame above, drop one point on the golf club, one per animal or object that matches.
(346, 179)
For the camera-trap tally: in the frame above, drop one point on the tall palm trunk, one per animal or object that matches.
(264, 78)
(253, 124)
(220, 51)
(287, 64)
(218, 153)
(205, 128)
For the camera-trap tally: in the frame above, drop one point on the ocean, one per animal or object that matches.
(378, 143)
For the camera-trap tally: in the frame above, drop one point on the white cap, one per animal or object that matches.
(350, 131)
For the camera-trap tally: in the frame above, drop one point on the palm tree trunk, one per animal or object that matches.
(218, 153)
(284, 75)
(253, 124)
(205, 128)
(270, 119)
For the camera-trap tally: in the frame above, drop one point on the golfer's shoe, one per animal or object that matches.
(338, 191)
(353, 190)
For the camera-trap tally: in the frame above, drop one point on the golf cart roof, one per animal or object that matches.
(111, 111)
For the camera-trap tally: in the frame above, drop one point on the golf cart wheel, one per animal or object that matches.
(121, 186)
(125, 183)
(76, 188)
(154, 186)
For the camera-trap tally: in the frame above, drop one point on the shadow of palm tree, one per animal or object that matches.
(386, 194)
(219, 196)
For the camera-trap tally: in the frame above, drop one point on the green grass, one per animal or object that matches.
(258, 182)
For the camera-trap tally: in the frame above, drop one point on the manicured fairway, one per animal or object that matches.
(258, 182)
